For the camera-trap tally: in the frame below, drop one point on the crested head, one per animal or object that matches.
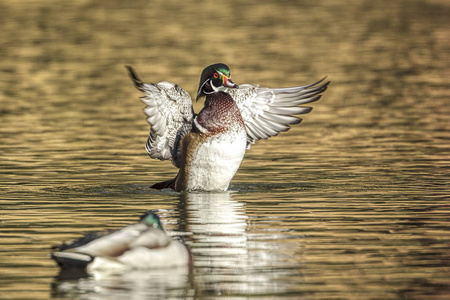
(151, 219)
(210, 70)
(214, 77)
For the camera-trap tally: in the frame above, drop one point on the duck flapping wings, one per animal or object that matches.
(266, 112)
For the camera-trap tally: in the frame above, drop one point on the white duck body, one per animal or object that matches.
(213, 151)
(214, 161)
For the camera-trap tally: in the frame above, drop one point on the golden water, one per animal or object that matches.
(352, 204)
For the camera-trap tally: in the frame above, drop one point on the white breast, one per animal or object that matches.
(216, 161)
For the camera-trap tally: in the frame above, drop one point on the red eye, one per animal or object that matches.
(216, 75)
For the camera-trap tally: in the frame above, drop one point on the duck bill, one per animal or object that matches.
(228, 83)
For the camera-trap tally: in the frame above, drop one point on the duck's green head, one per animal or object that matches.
(213, 78)
(152, 220)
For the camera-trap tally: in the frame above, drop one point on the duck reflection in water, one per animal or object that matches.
(229, 256)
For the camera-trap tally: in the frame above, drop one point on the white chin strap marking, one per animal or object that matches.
(216, 89)
(200, 127)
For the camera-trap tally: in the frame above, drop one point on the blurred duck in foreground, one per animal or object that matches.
(143, 245)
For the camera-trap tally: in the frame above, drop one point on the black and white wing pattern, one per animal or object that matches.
(170, 114)
(267, 112)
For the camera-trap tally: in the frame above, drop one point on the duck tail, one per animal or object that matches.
(168, 184)
(69, 260)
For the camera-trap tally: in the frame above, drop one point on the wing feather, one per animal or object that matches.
(269, 129)
(283, 110)
(251, 132)
(267, 112)
(276, 126)
(256, 132)
(170, 114)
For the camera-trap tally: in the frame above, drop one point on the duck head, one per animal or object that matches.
(151, 219)
(214, 78)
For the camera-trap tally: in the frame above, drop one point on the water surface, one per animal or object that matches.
(351, 204)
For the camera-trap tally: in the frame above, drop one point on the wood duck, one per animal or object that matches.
(143, 245)
(208, 147)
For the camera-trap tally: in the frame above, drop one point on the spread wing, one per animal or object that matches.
(267, 112)
(170, 114)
